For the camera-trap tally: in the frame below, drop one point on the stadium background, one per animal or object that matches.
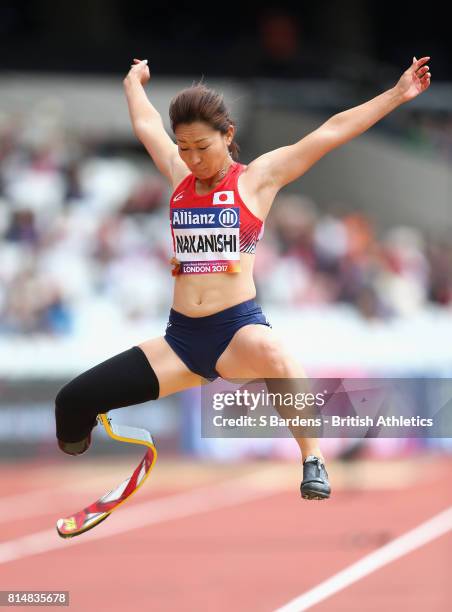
(355, 268)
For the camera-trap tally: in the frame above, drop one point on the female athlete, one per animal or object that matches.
(217, 212)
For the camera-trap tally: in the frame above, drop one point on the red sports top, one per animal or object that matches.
(211, 230)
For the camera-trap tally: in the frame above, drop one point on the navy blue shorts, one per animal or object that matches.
(199, 341)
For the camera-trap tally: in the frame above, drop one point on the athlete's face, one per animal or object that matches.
(202, 148)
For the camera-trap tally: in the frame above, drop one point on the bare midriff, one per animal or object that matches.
(199, 295)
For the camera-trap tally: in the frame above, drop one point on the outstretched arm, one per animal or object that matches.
(357, 120)
(147, 122)
(284, 165)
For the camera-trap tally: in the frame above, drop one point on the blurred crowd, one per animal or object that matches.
(313, 257)
(79, 225)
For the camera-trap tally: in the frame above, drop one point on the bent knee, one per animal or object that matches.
(274, 359)
(66, 396)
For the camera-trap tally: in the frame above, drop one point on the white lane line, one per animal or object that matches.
(37, 502)
(34, 503)
(205, 499)
(417, 537)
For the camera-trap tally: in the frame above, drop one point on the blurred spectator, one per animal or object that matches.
(440, 285)
(22, 227)
(146, 197)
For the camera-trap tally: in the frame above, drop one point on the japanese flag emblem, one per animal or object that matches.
(223, 197)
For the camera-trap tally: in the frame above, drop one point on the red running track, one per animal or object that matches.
(251, 545)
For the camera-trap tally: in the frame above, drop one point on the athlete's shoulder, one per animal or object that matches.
(178, 185)
(256, 175)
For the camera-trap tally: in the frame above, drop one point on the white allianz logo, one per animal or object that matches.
(223, 197)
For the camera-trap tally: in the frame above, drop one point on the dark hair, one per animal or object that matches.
(199, 103)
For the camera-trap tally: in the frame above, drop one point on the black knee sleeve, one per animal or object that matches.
(123, 380)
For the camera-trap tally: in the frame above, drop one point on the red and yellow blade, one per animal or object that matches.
(99, 510)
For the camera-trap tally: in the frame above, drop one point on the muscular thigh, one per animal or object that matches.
(253, 352)
(172, 373)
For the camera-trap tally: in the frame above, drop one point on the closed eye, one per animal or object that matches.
(200, 148)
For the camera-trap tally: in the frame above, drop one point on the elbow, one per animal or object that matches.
(332, 135)
(334, 123)
(138, 129)
(340, 130)
(141, 128)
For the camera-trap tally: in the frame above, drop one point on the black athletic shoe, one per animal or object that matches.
(315, 483)
(76, 448)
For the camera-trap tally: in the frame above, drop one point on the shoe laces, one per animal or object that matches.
(317, 461)
(313, 459)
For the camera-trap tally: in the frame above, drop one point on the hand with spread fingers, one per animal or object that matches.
(140, 69)
(415, 80)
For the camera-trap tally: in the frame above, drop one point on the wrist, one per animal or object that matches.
(131, 79)
(396, 96)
